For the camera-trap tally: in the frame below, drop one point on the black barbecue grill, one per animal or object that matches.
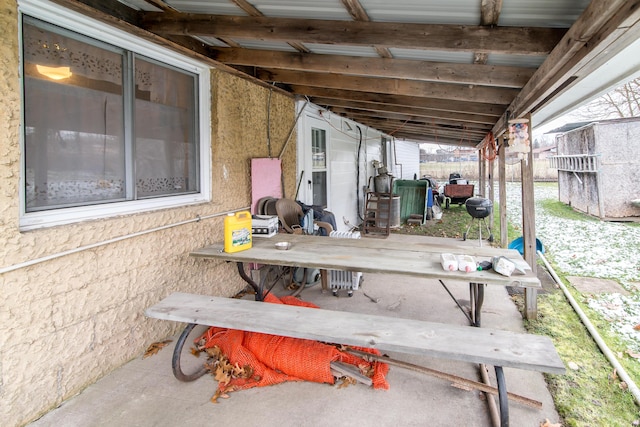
(479, 208)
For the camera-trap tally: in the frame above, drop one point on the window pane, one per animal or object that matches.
(165, 130)
(73, 115)
(319, 147)
(320, 189)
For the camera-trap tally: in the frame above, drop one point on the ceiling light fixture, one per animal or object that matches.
(55, 73)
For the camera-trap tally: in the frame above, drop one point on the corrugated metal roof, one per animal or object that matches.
(428, 72)
(461, 12)
(433, 55)
(310, 9)
(363, 51)
(223, 7)
(541, 13)
(528, 61)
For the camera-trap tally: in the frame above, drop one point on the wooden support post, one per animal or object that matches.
(529, 225)
(502, 182)
(491, 182)
(481, 176)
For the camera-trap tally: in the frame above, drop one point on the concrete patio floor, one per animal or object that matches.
(144, 392)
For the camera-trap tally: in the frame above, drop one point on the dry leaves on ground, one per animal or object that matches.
(347, 381)
(547, 423)
(223, 371)
(155, 347)
(633, 354)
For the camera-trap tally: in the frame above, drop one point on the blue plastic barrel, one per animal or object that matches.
(518, 245)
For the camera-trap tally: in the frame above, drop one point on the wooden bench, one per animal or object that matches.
(464, 343)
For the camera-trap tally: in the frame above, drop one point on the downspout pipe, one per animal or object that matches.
(632, 387)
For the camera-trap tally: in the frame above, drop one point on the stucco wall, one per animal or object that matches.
(68, 321)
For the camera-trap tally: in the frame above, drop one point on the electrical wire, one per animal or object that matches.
(328, 121)
(269, 123)
(489, 149)
(358, 174)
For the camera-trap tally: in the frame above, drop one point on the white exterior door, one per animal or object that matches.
(315, 182)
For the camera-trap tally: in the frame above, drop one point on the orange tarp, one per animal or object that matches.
(275, 359)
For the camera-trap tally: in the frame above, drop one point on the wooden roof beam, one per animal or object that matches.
(506, 40)
(391, 126)
(494, 111)
(441, 72)
(432, 115)
(601, 23)
(462, 93)
(351, 109)
(251, 10)
(489, 15)
(358, 13)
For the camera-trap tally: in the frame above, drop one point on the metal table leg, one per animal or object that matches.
(476, 298)
(456, 301)
(250, 281)
(502, 397)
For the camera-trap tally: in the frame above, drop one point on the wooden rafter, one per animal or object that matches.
(358, 13)
(493, 111)
(443, 72)
(253, 11)
(480, 94)
(458, 95)
(603, 22)
(506, 40)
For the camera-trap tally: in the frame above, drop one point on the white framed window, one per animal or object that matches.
(319, 166)
(111, 124)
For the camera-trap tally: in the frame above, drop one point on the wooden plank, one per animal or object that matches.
(442, 72)
(463, 343)
(492, 111)
(342, 369)
(502, 186)
(373, 256)
(508, 40)
(399, 86)
(529, 225)
(599, 27)
(436, 117)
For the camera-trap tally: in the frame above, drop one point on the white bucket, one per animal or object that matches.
(437, 212)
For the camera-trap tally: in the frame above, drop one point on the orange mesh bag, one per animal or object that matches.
(274, 359)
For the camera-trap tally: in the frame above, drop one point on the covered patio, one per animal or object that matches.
(144, 392)
(76, 279)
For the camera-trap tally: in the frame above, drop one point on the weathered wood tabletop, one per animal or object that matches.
(495, 347)
(375, 256)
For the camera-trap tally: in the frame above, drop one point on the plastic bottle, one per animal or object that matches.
(449, 262)
(237, 232)
(467, 263)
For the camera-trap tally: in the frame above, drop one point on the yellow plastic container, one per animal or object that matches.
(237, 232)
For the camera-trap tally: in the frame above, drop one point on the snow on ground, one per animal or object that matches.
(601, 249)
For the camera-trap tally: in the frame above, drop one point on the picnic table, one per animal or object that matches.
(420, 260)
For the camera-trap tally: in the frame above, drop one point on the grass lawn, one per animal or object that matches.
(590, 393)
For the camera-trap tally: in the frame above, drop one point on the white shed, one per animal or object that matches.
(599, 168)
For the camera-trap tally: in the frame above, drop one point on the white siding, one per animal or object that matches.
(404, 159)
(349, 173)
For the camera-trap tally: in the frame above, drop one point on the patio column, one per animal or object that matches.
(529, 225)
(502, 182)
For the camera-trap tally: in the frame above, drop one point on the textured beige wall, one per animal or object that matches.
(66, 322)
